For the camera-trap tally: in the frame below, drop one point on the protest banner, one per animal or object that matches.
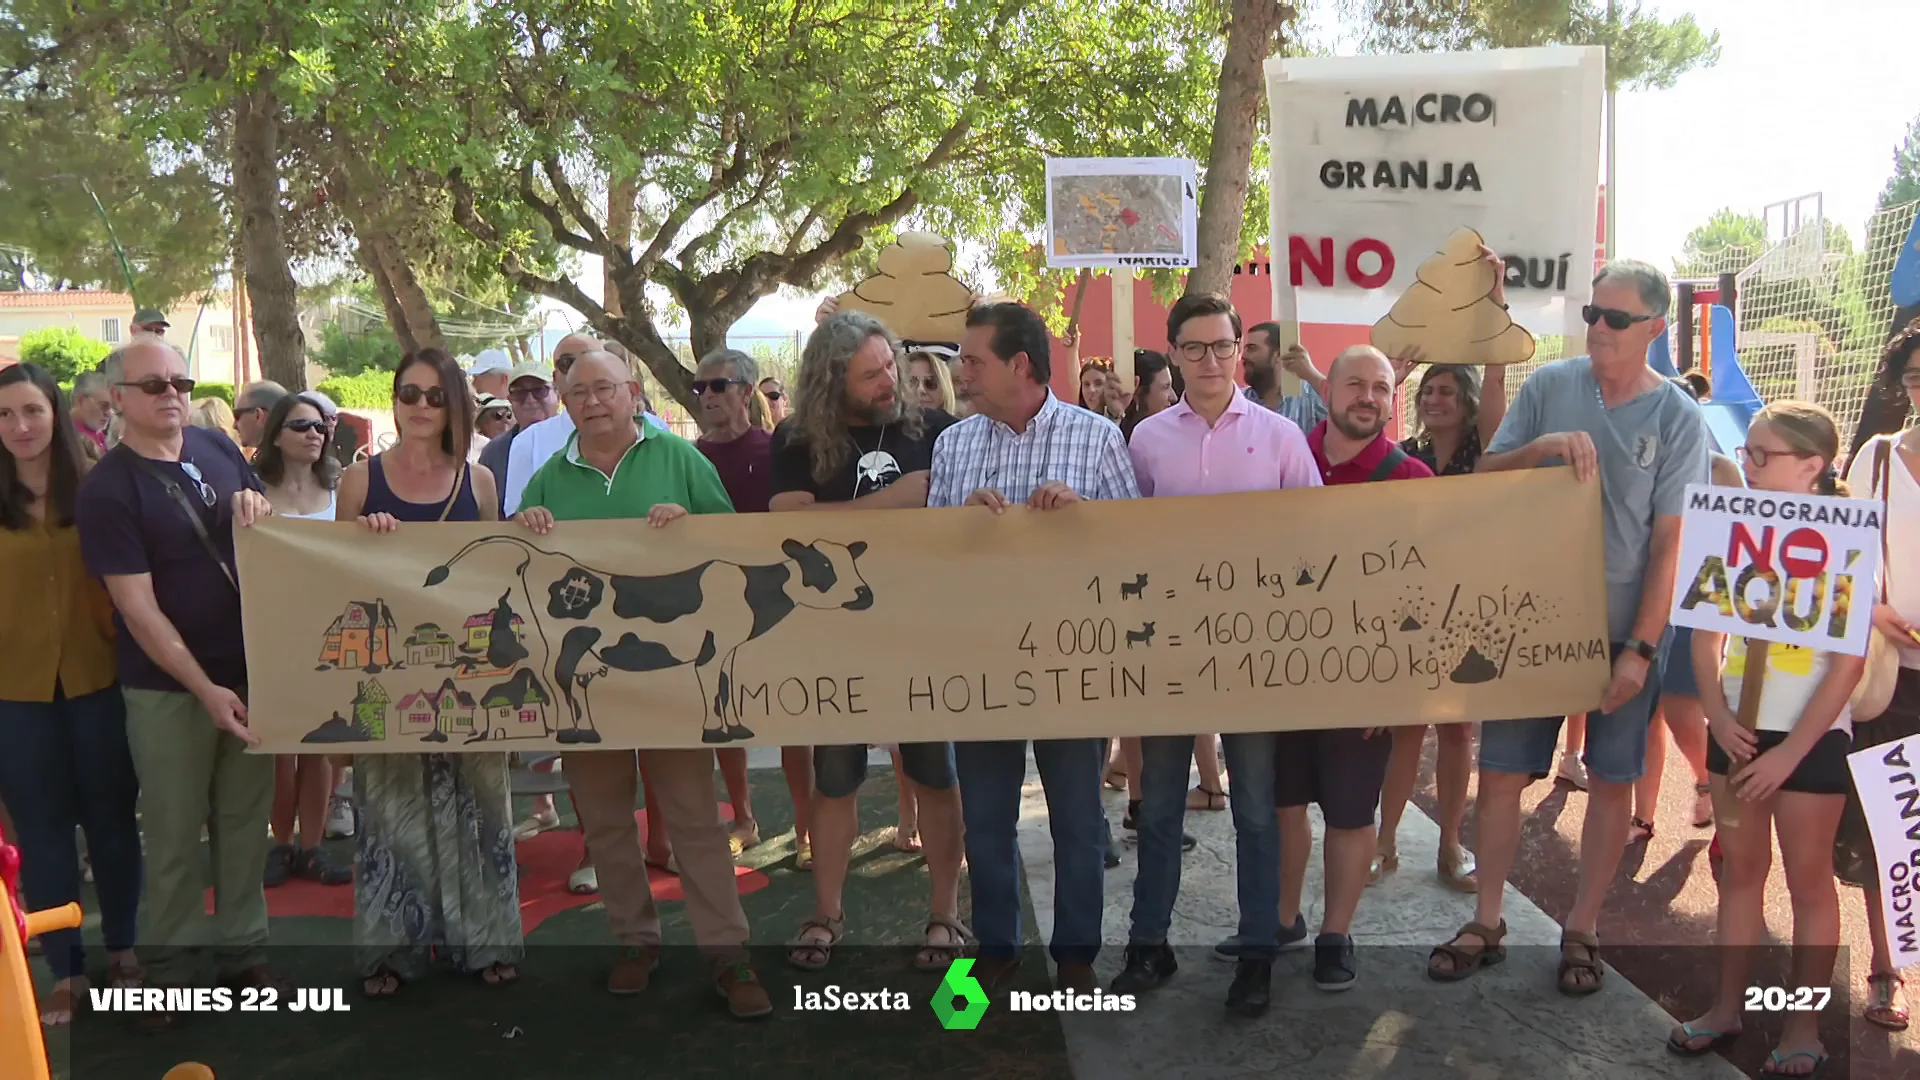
(1778, 567)
(1890, 798)
(1378, 604)
(1121, 212)
(1377, 160)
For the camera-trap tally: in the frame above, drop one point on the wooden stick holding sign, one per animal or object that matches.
(1753, 677)
(1286, 299)
(1122, 326)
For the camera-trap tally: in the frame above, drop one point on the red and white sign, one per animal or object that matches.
(1797, 569)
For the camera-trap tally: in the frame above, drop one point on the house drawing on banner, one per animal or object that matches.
(430, 646)
(370, 708)
(516, 709)
(478, 631)
(454, 710)
(360, 637)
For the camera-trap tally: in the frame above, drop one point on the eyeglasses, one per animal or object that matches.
(156, 386)
(207, 496)
(1224, 349)
(1910, 378)
(523, 394)
(303, 425)
(410, 394)
(1616, 319)
(1760, 455)
(581, 392)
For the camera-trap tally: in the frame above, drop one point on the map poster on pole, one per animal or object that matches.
(1121, 213)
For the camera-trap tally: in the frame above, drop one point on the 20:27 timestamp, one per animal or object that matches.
(1788, 998)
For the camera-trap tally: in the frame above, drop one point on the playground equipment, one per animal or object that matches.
(23, 1053)
(1733, 401)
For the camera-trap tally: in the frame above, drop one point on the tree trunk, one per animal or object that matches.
(420, 325)
(396, 315)
(621, 195)
(270, 285)
(1251, 37)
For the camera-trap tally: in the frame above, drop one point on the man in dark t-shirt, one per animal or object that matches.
(853, 443)
(183, 668)
(738, 448)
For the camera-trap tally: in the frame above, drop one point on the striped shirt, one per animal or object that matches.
(1306, 408)
(1081, 449)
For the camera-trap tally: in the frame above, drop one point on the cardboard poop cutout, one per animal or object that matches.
(1450, 313)
(915, 292)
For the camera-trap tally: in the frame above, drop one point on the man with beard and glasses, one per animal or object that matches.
(1265, 360)
(1342, 769)
(853, 443)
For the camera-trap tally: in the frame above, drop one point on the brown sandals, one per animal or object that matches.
(1572, 964)
(814, 955)
(935, 956)
(1464, 961)
(1886, 1005)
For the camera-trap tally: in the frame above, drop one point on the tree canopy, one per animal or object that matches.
(1644, 51)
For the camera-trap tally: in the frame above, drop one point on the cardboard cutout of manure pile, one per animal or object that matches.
(1450, 312)
(915, 292)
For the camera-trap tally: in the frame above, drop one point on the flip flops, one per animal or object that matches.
(1777, 1059)
(1717, 1040)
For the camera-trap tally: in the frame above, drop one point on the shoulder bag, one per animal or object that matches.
(1875, 690)
(180, 499)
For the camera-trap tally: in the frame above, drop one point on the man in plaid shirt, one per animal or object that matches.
(1022, 444)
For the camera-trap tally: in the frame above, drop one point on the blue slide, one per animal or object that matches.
(1734, 401)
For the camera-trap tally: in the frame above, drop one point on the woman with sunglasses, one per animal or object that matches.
(776, 395)
(1888, 467)
(930, 381)
(437, 876)
(64, 760)
(299, 476)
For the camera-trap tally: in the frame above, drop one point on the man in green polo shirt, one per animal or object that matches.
(616, 467)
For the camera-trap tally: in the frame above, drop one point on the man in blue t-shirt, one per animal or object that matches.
(1611, 417)
(156, 519)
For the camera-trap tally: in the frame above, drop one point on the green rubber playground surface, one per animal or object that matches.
(558, 1021)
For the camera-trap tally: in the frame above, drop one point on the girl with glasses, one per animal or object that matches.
(431, 884)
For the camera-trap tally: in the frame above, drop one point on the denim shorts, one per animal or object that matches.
(1679, 680)
(838, 771)
(1616, 742)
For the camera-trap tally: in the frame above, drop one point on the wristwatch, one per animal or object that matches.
(1647, 652)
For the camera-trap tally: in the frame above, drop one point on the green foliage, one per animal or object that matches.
(351, 354)
(367, 390)
(1644, 51)
(221, 390)
(1727, 242)
(1904, 185)
(66, 353)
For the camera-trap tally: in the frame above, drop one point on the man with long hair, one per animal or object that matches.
(854, 443)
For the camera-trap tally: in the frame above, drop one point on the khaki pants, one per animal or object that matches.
(680, 783)
(193, 774)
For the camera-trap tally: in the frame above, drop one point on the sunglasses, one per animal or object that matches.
(303, 425)
(524, 394)
(207, 496)
(495, 414)
(923, 382)
(156, 386)
(773, 395)
(410, 394)
(715, 386)
(564, 362)
(1616, 319)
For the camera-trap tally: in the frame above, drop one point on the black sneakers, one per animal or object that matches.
(1148, 966)
(1252, 989)
(1333, 962)
(1289, 938)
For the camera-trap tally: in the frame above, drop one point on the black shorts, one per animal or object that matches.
(1822, 772)
(1339, 768)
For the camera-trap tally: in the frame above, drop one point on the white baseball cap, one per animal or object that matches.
(543, 372)
(489, 362)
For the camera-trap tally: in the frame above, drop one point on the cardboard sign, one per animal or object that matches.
(1378, 159)
(1121, 212)
(1450, 313)
(1884, 776)
(915, 292)
(1796, 569)
(1376, 604)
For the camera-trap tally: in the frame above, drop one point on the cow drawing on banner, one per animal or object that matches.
(699, 617)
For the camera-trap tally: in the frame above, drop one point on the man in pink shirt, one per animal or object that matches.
(1213, 441)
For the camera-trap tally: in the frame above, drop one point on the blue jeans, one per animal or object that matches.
(65, 763)
(990, 777)
(1256, 838)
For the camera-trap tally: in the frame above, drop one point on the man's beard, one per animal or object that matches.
(879, 415)
(1262, 378)
(1353, 430)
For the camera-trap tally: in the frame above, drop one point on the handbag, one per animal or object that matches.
(199, 527)
(1874, 692)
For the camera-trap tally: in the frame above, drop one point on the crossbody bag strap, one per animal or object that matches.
(1883, 480)
(180, 499)
(1387, 464)
(459, 481)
